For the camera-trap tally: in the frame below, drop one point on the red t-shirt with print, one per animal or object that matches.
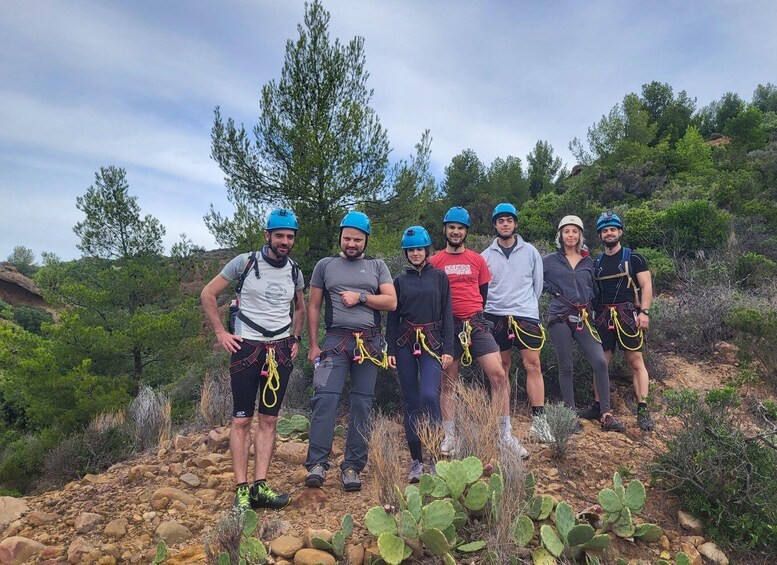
(466, 272)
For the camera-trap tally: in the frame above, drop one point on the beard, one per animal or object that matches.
(610, 243)
(504, 237)
(456, 245)
(280, 252)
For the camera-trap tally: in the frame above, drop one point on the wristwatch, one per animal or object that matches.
(298, 338)
(362, 298)
(645, 311)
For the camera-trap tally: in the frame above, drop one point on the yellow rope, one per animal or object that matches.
(587, 323)
(518, 330)
(465, 340)
(363, 354)
(622, 332)
(273, 378)
(421, 337)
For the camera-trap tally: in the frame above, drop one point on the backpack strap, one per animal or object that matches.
(241, 279)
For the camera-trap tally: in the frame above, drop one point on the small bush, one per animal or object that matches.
(695, 226)
(226, 537)
(30, 318)
(756, 330)
(21, 461)
(216, 398)
(721, 475)
(385, 448)
(563, 423)
(149, 418)
(753, 269)
(662, 268)
(694, 320)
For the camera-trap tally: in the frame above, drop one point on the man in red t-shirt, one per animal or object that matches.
(469, 277)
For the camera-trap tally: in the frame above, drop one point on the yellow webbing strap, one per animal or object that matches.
(621, 331)
(518, 330)
(465, 340)
(420, 337)
(587, 323)
(270, 370)
(363, 354)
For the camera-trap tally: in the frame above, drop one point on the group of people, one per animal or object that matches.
(447, 310)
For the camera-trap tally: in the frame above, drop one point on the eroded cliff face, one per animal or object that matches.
(16, 289)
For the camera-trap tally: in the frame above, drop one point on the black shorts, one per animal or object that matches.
(627, 338)
(530, 336)
(483, 342)
(247, 381)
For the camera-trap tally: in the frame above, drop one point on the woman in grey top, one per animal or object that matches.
(569, 277)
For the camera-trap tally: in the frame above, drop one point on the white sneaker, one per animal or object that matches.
(540, 430)
(447, 446)
(509, 442)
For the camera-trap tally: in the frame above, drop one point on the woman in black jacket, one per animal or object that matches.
(420, 338)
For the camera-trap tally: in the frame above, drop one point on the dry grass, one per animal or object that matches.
(107, 421)
(431, 434)
(216, 399)
(477, 423)
(149, 418)
(385, 447)
(511, 505)
(226, 537)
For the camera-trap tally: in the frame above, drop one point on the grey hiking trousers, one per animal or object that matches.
(328, 381)
(562, 334)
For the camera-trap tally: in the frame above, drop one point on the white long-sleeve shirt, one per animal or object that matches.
(516, 283)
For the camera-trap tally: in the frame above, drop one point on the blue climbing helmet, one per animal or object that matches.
(282, 219)
(358, 220)
(607, 219)
(502, 209)
(457, 214)
(415, 237)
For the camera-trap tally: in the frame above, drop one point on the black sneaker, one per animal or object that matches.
(644, 421)
(262, 496)
(610, 424)
(316, 476)
(590, 413)
(242, 498)
(351, 480)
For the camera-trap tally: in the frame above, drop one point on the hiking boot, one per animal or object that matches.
(540, 430)
(610, 424)
(509, 442)
(416, 470)
(590, 413)
(351, 480)
(242, 498)
(262, 496)
(316, 476)
(447, 445)
(644, 421)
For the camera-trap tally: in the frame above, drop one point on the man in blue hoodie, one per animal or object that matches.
(513, 307)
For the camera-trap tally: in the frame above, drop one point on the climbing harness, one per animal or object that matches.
(269, 370)
(581, 320)
(614, 324)
(514, 330)
(420, 344)
(465, 338)
(625, 271)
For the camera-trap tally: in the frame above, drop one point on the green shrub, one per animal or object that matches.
(695, 226)
(756, 332)
(643, 227)
(753, 269)
(31, 318)
(721, 475)
(662, 267)
(22, 460)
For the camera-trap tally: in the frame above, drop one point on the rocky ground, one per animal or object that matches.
(179, 492)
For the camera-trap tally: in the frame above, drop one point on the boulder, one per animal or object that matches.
(190, 479)
(78, 549)
(170, 494)
(39, 518)
(172, 532)
(311, 533)
(286, 546)
(17, 549)
(692, 553)
(713, 553)
(294, 453)
(86, 521)
(193, 554)
(308, 556)
(116, 528)
(690, 523)
(11, 509)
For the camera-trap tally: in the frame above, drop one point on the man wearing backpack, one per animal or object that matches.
(622, 309)
(266, 341)
(354, 288)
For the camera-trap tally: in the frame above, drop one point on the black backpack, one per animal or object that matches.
(234, 305)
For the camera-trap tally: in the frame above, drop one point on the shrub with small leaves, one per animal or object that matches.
(563, 424)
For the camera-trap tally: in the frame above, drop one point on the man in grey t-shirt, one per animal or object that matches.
(262, 349)
(354, 289)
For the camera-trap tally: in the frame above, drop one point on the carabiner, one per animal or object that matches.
(417, 350)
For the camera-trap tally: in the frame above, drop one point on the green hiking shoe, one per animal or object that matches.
(262, 496)
(242, 498)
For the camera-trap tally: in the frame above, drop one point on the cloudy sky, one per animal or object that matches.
(85, 84)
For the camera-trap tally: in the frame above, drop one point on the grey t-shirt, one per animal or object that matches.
(336, 274)
(266, 300)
